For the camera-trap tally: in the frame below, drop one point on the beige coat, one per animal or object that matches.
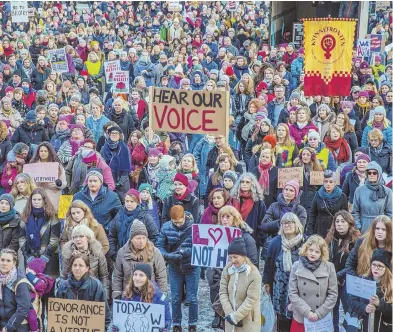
(125, 264)
(244, 303)
(309, 291)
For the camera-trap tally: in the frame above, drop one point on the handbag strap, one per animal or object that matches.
(182, 238)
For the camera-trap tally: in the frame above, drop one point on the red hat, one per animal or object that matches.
(8, 89)
(229, 71)
(262, 54)
(179, 177)
(270, 139)
(301, 50)
(133, 192)
(84, 73)
(363, 94)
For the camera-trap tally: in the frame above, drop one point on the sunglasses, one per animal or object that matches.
(372, 173)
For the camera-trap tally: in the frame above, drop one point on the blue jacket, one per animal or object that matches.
(149, 73)
(239, 71)
(296, 70)
(104, 207)
(201, 152)
(97, 126)
(209, 66)
(158, 298)
(387, 135)
(169, 237)
(213, 47)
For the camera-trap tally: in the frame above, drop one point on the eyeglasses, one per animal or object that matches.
(288, 223)
(378, 267)
(372, 173)
(76, 237)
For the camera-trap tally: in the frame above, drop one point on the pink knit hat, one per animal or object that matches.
(295, 185)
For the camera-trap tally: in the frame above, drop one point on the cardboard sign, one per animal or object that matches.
(64, 204)
(297, 34)
(174, 6)
(321, 325)
(361, 287)
(129, 316)
(210, 244)
(377, 43)
(316, 178)
(58, 60)
(382, 5)
(19, 12)
(42, 172)
(287, 174)
(189, 112)
(363, 48)
(110, 67)
(121, 82)
(232, 5)
(75, 315)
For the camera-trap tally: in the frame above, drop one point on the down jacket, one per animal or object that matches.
(10, 233)
(125, 264)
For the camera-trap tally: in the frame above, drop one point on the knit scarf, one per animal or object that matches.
(181, 197)
(284, 206)
(287, 246)
(379, 125)
(153, 170)
(377, 190)
(341, 145)
(33, 228)
(312, 266)
(330, 198)
(126, 217)
(76, 284)
(7, 113)
(79, 171)
(117, 156)
(5, 218)
(264, 178)
(75, 146)
(6, 279)
(361, 175)
(244, 205)
(210, 215)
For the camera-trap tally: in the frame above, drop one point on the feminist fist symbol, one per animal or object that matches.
(328, 43)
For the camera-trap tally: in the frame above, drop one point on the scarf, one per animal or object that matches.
(361, 176)
(75, 146)
(341, 146)
(264, 178)
(117, 156)
(210, 215)
(312, 266)
(181, 197)
(153, 170)
(76, 251)
(6, 113)
(284, 206)
(126, 217)
(377, 190)
(380, 125)
(33, 228)
(330, 198)
(244, 205)
(79, 171)
(7, 217)
(76, 284)
(6, 279)
(287, 246)
(250, 124)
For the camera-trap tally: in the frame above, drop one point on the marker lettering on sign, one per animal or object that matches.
(202, 255)
(196, 239)
(222, 257)
(235, 233)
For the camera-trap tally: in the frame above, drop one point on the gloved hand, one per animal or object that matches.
(230, 320)
(117, 186)
(58, 182)
(115, 328)
(173, 256)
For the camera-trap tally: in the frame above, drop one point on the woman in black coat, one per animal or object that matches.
(9, 223)
(40, 74)
(123, 118)
(328, 200)
(30, 131)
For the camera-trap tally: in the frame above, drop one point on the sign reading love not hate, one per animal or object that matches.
(210, 244)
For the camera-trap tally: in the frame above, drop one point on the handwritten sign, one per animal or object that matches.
(75, 315)
(19, 12)
(361, 287)
(363, 48)
(321, 325)
(58, 60)
(191, 112)
(210, 244)
(110, 67)
(287, 174)
(377, 43)
(131, 316)
(42, 172)
(174, 6)
(316, 178)
(121, 81)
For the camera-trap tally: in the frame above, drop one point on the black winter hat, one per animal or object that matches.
(145, 268)
(237, 247)
(383, 256)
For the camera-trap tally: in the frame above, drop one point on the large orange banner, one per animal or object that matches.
(328, 44)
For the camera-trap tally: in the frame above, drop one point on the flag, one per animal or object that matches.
(328, 45)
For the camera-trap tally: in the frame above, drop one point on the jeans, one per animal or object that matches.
(177, 281)
(343, 296)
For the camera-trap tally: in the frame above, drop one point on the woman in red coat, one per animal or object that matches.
(300, 128)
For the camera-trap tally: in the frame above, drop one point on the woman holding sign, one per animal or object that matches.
(381, 303)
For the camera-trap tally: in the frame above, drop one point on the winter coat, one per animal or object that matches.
(5, 147)
(96, 126)
(59, 138)
(299, 133)
(5, 177)
(35, 134)
(190, 204)
(386, 132)
(325, 156)
(240, 70)
(104, 207)
(15, 119)
(168, 240)
(212, 158)
(148, 71)
(201, 153)
(99, 235)
(351, 182)
(9, 234)
(50, 238)
(323, 125)
(115, 229)
(240, 106)
(38, 78)
(15, 306)
(339, 258)
(308, 193)
(382, 157)
(91, 290)
(98, 265)
(312, 291)
(365, 209)
(296, 70)
(383, 313)
(240, 297)
(270, 197)
(125, 121)
(126, 261)
(321, 216)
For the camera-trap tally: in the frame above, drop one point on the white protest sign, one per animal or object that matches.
(361, 287)
(19, 12)
(210, 244)
(58, 60)
(129, 316)
(121, 82)
(363, 48)
(42, 172)
(321, 325)
(110, 67)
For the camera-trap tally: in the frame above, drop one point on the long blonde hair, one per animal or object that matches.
(88, 219)
(386, 286)
(229, 210)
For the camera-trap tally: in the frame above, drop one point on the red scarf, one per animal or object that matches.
(264, 178)
(343, 154)
(90, 159)
(245, 205)
(182, 197)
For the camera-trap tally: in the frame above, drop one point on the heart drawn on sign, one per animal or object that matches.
(212, 232)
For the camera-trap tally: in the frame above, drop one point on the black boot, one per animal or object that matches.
(216, 321)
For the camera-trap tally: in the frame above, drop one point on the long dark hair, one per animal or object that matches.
(53, 158)
(50, 212)
(147, 291)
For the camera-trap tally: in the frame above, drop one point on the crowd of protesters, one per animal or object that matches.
(136, 191)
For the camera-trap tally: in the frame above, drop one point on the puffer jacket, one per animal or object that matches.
(115, 229)
(382, 156)
(98, 265)
(169, 238)
(386, 132)
(296, 70)
(238, 107)
(35, 134)
(59, 138)
(126, 261)
(125, 121)
(9, 233)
